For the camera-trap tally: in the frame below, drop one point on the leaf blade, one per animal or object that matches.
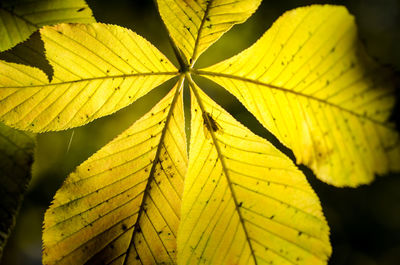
(196, 25)
(123, 222)
(310, 80)
(95, 74)
(241, 202)
(19, 19)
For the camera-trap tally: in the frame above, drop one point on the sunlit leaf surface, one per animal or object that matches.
(196, 24)
(20, 18)
(123, 204)
(98, 69)
(243, 201)
(312, 86)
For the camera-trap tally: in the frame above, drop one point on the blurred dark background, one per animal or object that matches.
(365, 222)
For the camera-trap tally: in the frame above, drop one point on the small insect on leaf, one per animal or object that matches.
(210, 124)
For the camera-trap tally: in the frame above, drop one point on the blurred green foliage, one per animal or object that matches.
(365, 222)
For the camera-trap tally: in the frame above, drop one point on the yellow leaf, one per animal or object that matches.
(196, 25)
(308, 81)
(30, 52)
(244, 201)
(95, 74)
(123, 203)
(16, 152)
(20, 18)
